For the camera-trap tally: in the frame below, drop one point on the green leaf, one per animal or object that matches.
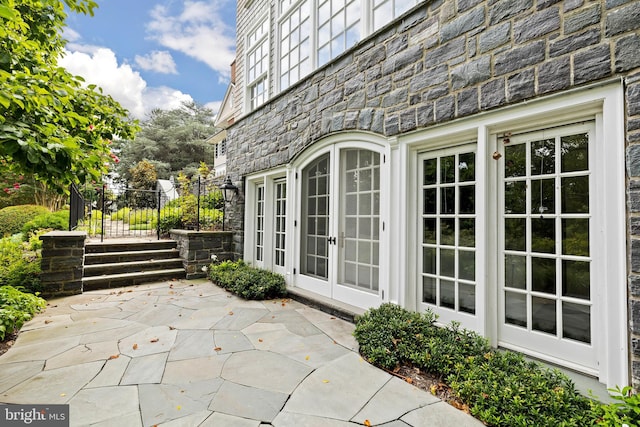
(7, 12)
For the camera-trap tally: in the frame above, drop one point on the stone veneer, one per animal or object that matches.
(197, 247)
(448, 59)
(62, 263)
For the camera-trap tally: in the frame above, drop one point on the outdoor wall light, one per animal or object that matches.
(228, 192)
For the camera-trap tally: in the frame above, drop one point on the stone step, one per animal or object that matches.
(129, 279)
(129, 256)
(93, 248)
(132, 267)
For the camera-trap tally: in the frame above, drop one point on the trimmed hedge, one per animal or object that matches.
(246, 281)
(48, 221)
(500, 388)
(13, 218)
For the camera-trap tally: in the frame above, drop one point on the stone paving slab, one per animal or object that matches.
(186, 353)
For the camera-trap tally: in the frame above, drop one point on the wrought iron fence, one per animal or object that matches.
(113, 212)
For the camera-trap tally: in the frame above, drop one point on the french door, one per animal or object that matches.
(340, 226)
(546, 303)
(447, 234)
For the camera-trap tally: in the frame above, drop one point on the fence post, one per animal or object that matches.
(102, 216)
(158, 222)
(198, 214)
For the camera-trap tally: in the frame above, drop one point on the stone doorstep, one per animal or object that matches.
(335, 308)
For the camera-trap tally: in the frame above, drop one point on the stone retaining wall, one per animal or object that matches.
(62, 263)
(197, 247)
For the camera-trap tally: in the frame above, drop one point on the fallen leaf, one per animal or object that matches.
(409, 380)
(217, 349)
(433, 389)
(46, 322)
(332, 318)
(115, 356)
(154, 340)
(367, 423)
(63, 394)
(231, 313)
(307, 358)
(178, 407)
(325, 381)
(135, 346)
(259, 339)
(171, 328)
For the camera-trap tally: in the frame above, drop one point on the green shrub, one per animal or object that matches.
(16, 307)
(501, 388)
(48, 221)
(246, 281)
(19, 265)
(120, 215)
(141, 216)
(625, 411)
(13, 218)
(390, 336)
(504, 389)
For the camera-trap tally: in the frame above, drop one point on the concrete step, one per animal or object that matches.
(129, 256)
(129, 279)
(132, 267)
(153, 245)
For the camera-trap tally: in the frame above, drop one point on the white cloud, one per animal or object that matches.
(199, 31)
(214, 106)
(100, 66)
(158, 61)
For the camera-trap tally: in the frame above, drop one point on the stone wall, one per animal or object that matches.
(449, 59)
(443, 60)
(197, 247)
(62, 263)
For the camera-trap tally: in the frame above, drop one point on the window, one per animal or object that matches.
(258, 65)
(546, 233)
(280, 222)
(266, 222)
(220, 149)
(313, 32)
(338, 28)
(295, 30)
(260, 224)
(384, 11)
(448, 224)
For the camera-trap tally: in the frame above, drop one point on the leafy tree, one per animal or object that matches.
(172, 140)
(143, 177)
(52, 127)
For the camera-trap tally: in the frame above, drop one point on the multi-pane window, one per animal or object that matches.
(260, 223)
(384, 11)
(220, 148)
(360, 238)
(448, 227)
(280, 218)
(315, 211)
(547, 255)
(295, 45)
(338, 27)
(258, 65)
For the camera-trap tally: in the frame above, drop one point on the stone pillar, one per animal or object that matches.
(197, 247)
(62, 263)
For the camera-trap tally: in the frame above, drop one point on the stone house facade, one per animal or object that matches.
(478, 158)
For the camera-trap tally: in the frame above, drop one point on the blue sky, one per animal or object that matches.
(154, 53)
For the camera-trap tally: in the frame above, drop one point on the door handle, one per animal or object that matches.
(331, 240)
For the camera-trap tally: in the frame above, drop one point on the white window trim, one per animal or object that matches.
(604, 103)
(268, 180)
(250, 48)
